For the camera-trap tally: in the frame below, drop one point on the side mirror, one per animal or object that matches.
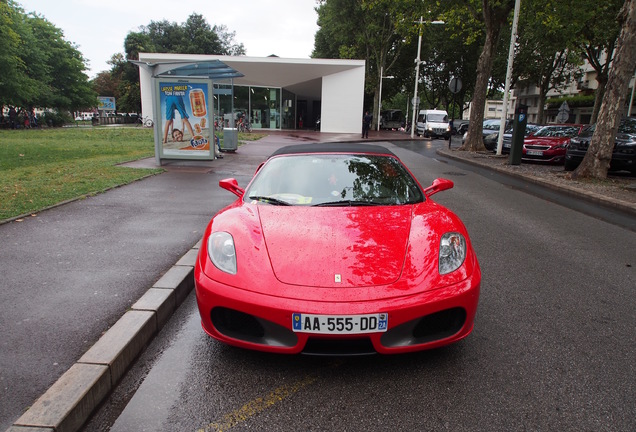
(232, 186)
(439, 184)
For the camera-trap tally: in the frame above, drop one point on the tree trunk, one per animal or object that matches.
(597, 159)
(474, 139)
(376, 114)
(598, 98)
(541, 108)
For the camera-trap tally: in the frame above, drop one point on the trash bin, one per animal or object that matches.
(230, 139)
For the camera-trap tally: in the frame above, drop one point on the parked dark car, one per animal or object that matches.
(490, 132)
(623, 156)
(462, 128)
(549, 143)
(531, 128)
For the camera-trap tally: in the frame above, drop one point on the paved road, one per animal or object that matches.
(71, 272)
(553, 347)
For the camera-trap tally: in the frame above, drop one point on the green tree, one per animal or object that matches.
(39, 67)
(597, 36)
(194, 36)
(596, 162)
(490, 16)
(15, 84)
(547, 54)
(376, 31)
(67, 85)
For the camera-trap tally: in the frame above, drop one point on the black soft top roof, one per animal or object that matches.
(354, 148)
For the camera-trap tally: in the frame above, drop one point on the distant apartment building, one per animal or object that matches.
(527, 93)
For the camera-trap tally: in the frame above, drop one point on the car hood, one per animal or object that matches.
(624, 139)
(336, 246)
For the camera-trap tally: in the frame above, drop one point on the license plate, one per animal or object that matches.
(340, 324)
(534, 152)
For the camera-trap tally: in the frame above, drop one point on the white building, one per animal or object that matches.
(276, 93)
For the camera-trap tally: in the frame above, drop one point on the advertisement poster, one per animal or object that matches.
(184, 124)
(106, 103)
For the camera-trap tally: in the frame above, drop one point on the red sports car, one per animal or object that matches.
(336, 249)
(550, 143)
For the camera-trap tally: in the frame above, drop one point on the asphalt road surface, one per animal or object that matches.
(553, 347)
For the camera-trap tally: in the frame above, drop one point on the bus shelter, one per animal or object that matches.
(183, 99)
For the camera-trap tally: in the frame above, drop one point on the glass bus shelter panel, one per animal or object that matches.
(222, 104)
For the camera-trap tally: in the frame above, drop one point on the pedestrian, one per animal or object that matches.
(13, 117)
(32, 118)
(450, 133)
(366, 124)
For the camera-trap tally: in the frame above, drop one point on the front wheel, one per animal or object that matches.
(148, 123)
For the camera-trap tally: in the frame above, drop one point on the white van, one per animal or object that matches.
(433, 124)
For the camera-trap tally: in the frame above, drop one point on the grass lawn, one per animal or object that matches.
(43, 167)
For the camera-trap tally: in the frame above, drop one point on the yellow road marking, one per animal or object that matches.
(258, 405)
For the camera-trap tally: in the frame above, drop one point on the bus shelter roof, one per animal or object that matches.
(215, 70)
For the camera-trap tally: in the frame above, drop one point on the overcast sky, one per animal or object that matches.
(98, 28)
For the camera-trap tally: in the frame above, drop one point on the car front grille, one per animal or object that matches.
(537, 147)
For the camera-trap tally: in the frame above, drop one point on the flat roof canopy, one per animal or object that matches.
(212, 69)
(300, 76)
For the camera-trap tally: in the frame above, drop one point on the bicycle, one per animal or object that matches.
(146, 121)
(244, 126)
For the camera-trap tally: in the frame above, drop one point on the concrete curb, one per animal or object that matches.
(70, 401)
(593, 197)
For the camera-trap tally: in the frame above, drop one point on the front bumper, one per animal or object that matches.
(261, 322)
(548, 155)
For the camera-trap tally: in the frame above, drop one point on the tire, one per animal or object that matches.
(148, 123)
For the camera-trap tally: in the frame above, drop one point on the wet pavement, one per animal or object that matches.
(71, 272)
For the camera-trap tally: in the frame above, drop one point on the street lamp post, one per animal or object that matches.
(417, 68)
(511, 58)
(380, 95)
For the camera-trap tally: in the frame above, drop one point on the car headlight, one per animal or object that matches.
(452, 252)
(222, 252)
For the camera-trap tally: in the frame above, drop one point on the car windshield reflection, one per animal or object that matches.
(333, 180)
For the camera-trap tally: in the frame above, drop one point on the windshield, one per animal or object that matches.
(530, 129)
(438, 118)
(557, 131)
(319, 179)
(491, 124)
(627, 126)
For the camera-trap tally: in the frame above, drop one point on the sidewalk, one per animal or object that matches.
(87, 262)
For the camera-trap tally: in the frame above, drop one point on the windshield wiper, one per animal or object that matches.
(348, 203)
(269, 200)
